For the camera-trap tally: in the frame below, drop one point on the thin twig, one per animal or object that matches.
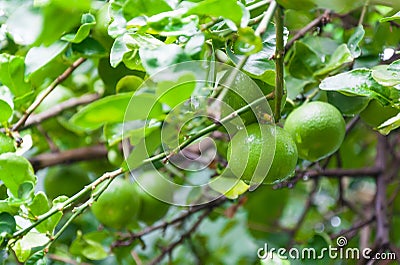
(355, 227)
(303, 215)
(127, 240)
(279, 67)
(363, 12)
(52, 86)
(382, 223)
(72, 155)
(321, 19)
(56, 110)
(183, 237)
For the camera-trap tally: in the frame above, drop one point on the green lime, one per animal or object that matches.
(375, 113)
(318, 129)
(65, 180)
(119, 205)
(152, 208)
(250, 146)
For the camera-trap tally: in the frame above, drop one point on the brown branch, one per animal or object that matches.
(130, 238)
(382, 223)
(300, 221)
(353, 228)
(54, 111)
(339, 172)
(73, 155)
(52, 86)
(321, 19)
(183, 237)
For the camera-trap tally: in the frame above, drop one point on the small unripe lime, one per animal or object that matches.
(248, 148)
(65, 180)
(318, 129)
(152, 208)
(119, 205)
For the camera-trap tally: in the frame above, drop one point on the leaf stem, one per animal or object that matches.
(279, 68)
(363, 12)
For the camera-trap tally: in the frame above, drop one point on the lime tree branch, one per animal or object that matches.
(168, 250)
(279, 68)
(127, 240)
(322, 19)
(80, 209)
(35, 119)
(48, 90)
(69, 202)
(72, 155)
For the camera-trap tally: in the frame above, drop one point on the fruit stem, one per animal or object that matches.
(279, 68)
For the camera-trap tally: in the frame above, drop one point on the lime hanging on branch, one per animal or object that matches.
(118, 206)
(318, 129)
(251, 153)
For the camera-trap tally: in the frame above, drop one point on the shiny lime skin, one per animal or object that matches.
(317, 128)
(251, 153)
(119, 205)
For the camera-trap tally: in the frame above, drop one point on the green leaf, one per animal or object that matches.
(173, 24)
(7, 223)
(115, 132)
(25, 24)
(247, 42)
(297, 5)
(340, 56)
(89, 246)
(89, 47)
(360, 82)
(394, 17)
(355, 40)
(395, 66)
(112, 109)
(60, 17)
(390, 125)
(12, 72)
(38, 258)
(24, 246)
(14, 171)
(135, 8)
(260, 65)
(155, 60)
(37, 57)
(5, 111)
(175, 93)
(88, 21)
(230, 187)
(39, 206)
(144, 149)
(386, 77)
(304, 62)
(129, 83)
(127, 46)
(216, 8)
